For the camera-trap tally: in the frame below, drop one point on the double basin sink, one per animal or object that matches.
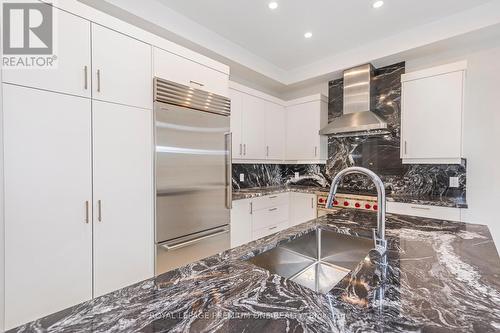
(318, 260)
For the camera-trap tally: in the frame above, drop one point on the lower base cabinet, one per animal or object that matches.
(433, 212)
(259, 217)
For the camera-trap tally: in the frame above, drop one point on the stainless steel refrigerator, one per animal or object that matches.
(193, 174)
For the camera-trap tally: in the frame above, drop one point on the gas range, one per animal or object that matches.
(346, 201)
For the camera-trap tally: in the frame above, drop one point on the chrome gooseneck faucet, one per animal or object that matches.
(379, 234)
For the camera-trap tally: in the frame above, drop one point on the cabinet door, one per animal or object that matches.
(123, 190)
(432, 117)
(302, 207)
(72, 74)
(254, 138)
(121, 68)
(275, 131)
(303, 122)
(236, 120)
(48, 237)
(174, 68)
(241, 222)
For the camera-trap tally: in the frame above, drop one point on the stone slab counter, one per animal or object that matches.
(413, 199)
(441, 277)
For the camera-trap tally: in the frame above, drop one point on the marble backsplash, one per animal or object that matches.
(380, 154)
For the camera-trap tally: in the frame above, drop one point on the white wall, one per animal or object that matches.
(481, 128)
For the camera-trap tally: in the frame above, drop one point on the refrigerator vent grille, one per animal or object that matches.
(177, 94)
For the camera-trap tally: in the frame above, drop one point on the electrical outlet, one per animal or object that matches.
(242, 177)
(454, 182)
(297, 175)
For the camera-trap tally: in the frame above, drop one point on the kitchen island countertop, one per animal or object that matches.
(441, 277)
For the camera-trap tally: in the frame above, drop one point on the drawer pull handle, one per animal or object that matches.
(421, 208)
(273, 197)
(273, 209)
(197, 83)
(272, 228)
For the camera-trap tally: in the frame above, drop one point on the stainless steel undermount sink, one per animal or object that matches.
(318, 260)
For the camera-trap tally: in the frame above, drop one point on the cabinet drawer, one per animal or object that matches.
(263, 232)
(174, 68)
(435, 212)
(269, 216)
(271, 201)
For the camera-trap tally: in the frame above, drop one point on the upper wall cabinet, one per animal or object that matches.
(432, 115)
(121, 68)
(304, 118)
(174, 68)
(72, 73)
(258, 128)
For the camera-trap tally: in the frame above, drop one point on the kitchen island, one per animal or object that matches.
(441, 277)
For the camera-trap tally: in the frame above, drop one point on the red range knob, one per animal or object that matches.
(368, 206)
(335, 202)
(375, 207)
(346, 203)
(321, 200)
(357, 205)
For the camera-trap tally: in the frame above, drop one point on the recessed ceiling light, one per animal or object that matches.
(378, 4)
(308, 35)
(273, 5)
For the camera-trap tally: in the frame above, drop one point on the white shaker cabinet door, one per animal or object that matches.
(123, 196)
(122, 71)
(302, 207)
(236, 122)
(275, 131)
(254, 138)
(71, 75)
(48, 223)
(241, 222)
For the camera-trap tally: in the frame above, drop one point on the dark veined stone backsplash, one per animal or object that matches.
(380, 154)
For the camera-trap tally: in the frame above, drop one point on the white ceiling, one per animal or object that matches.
(267, 48)
(278, 36)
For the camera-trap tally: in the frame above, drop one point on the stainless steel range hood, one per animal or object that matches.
(358, 118)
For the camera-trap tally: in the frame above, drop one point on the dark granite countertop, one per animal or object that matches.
(254, 192)
(441, 277)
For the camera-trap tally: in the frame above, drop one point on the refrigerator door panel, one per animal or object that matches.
(174, 254)
(192, 162)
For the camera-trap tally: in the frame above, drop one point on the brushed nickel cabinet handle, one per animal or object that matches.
(315, 151)
(273, 209)
(229, 170)
(86, 74)
(197, 83)
(251, 207)
(273, 197)
(267, 151)
(241, 149)
(98, 80)
(244, 149)
(405, 148)
(312, 202)
(421, 208)
(86, 212)
(99, 210)
(272, 228)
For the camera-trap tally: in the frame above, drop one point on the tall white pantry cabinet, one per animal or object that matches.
(78, 172)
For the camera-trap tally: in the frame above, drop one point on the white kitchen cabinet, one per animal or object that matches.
(258, 126)
(305, 117)
(434, 212)
(121, 68)
(432, 114)
(174, 68)
(302, 207)
(123, 190)
(236, 123)
(48, 193)
(253, 133)
(241, 222)
(72, 73)
(275, 122)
